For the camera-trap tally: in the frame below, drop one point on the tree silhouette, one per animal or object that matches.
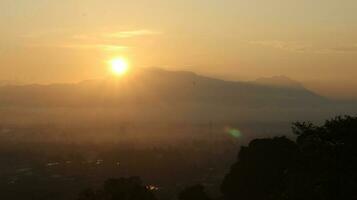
(260, 170)
(321, 165)
(119, 189)
(90, 194)
(329, 159)
(196, 192)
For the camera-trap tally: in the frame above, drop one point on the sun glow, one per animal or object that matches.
(119, 66)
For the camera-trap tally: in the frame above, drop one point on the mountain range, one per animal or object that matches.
(156, 90)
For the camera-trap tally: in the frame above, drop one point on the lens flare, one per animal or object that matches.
(233, 132)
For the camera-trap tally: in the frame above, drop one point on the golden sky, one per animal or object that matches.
(312, 41)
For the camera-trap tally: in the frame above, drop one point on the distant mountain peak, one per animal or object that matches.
(164, 71)
(279, 82)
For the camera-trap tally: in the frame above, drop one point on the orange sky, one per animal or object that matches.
(314, 42)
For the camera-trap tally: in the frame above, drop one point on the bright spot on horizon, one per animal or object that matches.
(119, 66)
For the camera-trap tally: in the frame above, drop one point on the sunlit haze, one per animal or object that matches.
(313, 42)
(119, 66)
(178, 99)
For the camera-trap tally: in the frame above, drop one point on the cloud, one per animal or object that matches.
(290, 46)
(116, 35)
(345, 49)
(105, 47)
(107, 41)
(306, 48)
(130, 34)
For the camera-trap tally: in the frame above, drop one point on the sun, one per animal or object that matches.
(119, 66)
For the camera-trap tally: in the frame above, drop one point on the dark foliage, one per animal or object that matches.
(328, 168)
(321, 165)
(196, 192)
(119, 189)
(260, 170)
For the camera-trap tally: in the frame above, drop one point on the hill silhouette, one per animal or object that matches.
(145, 85)
(279, 82)
(171, 92)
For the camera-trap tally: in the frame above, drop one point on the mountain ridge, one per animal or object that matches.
(167, 85)
(145, 93)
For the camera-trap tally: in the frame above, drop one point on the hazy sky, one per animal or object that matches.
(313, 41)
